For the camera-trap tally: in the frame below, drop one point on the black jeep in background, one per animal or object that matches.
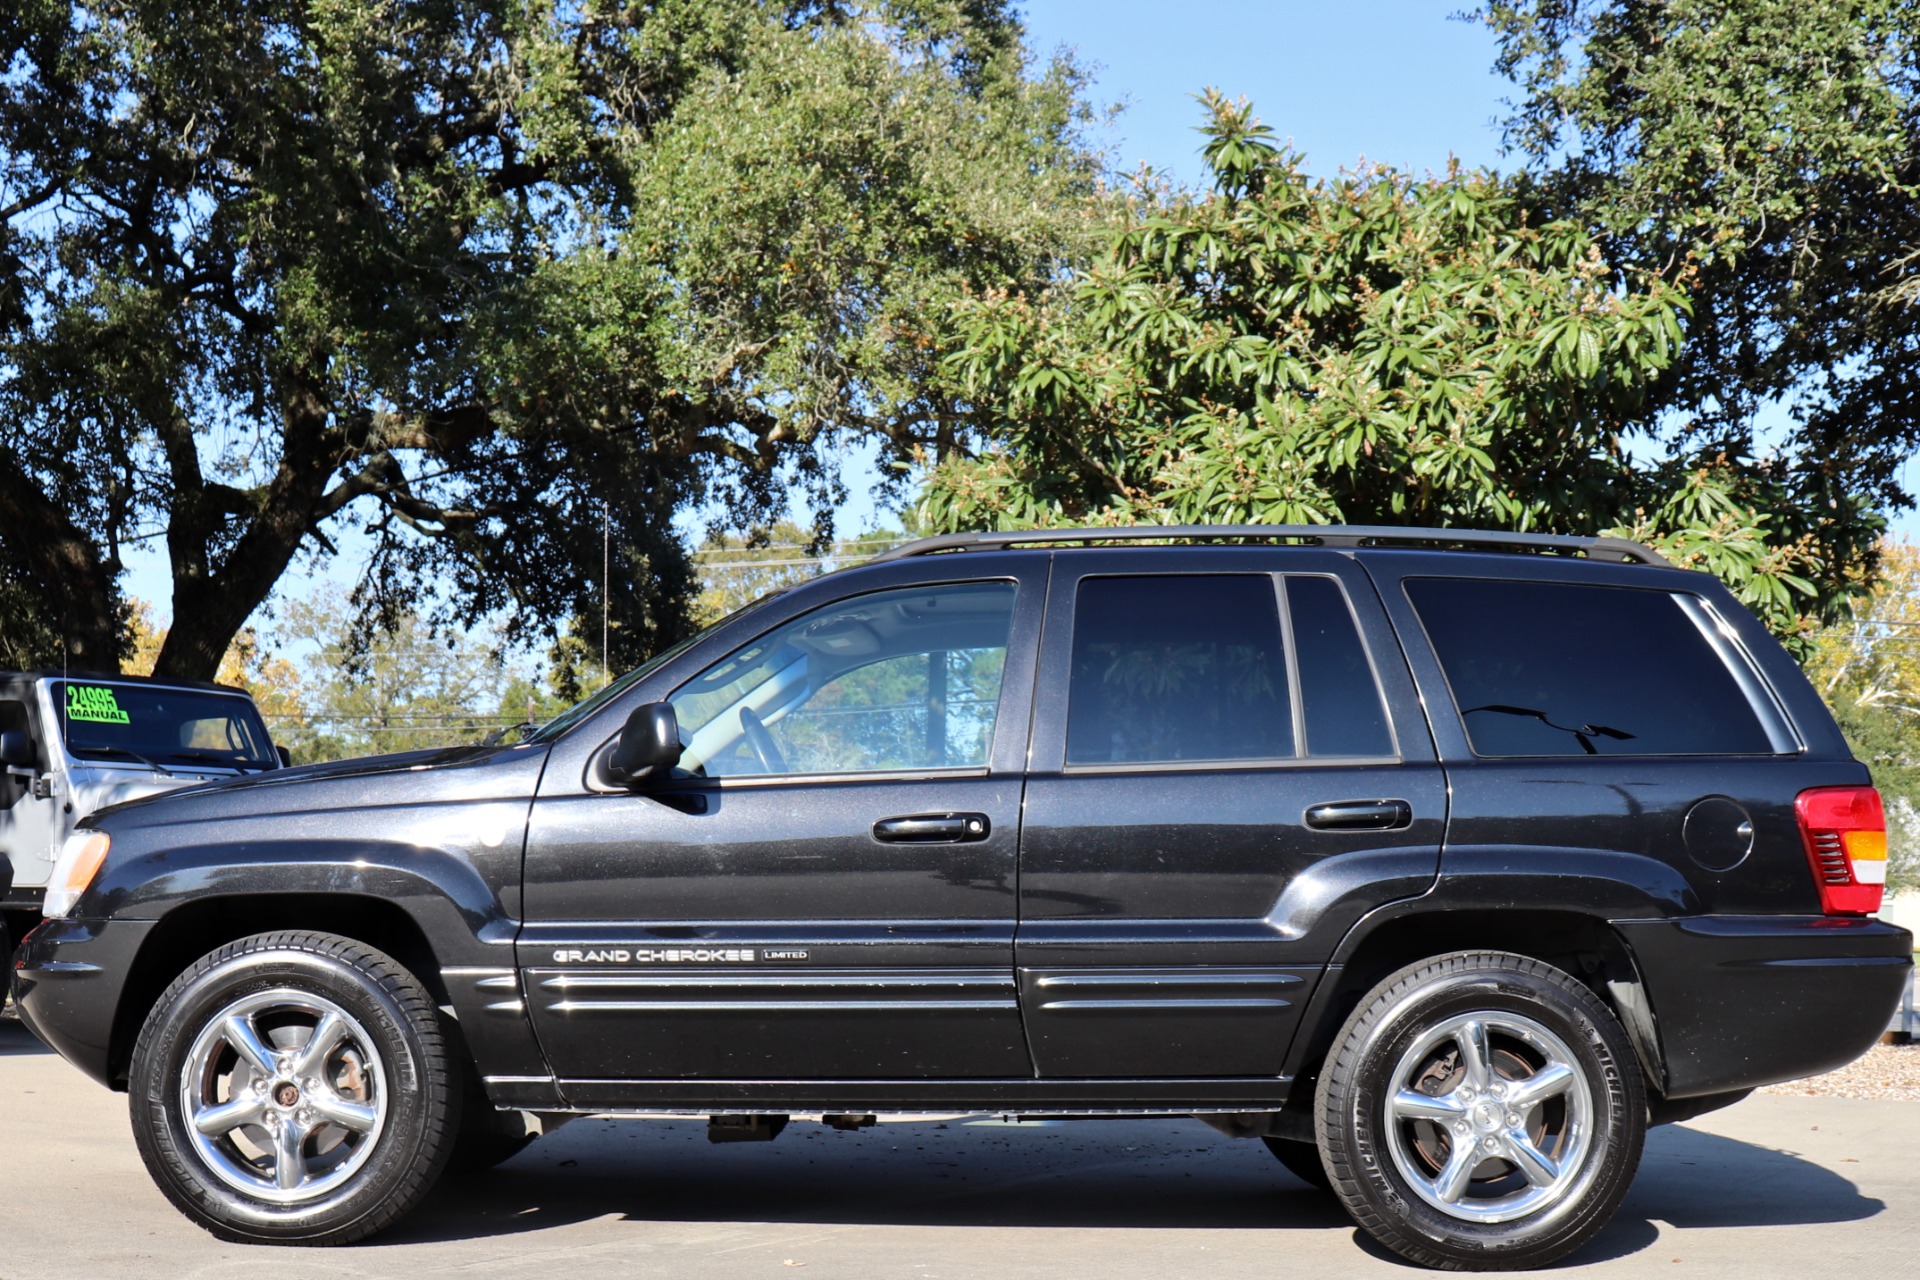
(1445, 862)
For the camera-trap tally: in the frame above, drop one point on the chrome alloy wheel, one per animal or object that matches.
(284, 1095)
(1490, 1118)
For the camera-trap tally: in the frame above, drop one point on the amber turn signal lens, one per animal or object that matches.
(80, 860)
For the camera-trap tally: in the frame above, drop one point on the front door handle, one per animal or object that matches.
(933, 828)
(1360, 815)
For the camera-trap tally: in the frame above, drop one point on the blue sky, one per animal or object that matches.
(1395, 81)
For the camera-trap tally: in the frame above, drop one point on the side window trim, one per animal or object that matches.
(1302, 746)
(1290, 650)
(1746, 673)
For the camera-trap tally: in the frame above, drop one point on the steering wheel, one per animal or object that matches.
(764, 748)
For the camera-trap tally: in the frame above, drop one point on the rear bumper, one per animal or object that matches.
(1745, 1001)
(68, 976)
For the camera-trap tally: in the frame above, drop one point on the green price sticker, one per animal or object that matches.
(95, 703)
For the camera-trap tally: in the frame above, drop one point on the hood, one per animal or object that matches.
(446, 774)
(92, 788)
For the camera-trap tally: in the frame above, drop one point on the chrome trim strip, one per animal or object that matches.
(799, 1113)
(772, 1006)
(64, 966)
(1166, 978)
(766, 978)
(1167, 1005)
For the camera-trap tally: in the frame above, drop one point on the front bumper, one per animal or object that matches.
(1745, 1001)
(68, 977)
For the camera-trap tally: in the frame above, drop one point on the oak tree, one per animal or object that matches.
(470, 278)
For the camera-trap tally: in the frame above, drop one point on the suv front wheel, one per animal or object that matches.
(1483, 1111)
(293, 1088)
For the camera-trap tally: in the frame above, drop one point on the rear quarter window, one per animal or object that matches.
(1566, 669)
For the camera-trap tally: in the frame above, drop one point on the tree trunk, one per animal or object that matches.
(213, 600)
(63, 567)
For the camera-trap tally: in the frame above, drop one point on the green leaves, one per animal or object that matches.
(1765, 156)
(1366, 349)
(1370, 349)
(480, 277)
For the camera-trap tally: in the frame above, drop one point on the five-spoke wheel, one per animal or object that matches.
(1481, 1110)
(1490, 1117)
(283, 1091)
(293, 1088)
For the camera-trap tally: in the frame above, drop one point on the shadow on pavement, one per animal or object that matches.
(1690, 1180)
(960, 1172)
(16, 1039)
(974, 1172)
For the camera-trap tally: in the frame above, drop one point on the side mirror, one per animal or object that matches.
(16, 749)
(286, 756)
(649, 744)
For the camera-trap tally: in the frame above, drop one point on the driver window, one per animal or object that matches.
(893, 681)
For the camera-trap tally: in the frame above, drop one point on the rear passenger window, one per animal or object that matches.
(1339, 697)
(1178, 668)
(1557, 669)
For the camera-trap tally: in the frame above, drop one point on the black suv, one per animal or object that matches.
(1445, 862)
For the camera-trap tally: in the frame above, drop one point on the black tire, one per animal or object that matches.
(387, 1071)
(1302, 1160)
(1558, 1081)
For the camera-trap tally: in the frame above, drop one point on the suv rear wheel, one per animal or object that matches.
(1481, 1111)
(293, 1088)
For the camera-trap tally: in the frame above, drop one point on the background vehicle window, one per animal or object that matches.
(896, 680)
(1339, 698)
(1177, 668)
(1555, 669)
(112, 721)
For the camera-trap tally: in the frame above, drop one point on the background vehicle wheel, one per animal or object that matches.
(293, 1088)
(1481, 1111)
(1302, 1160)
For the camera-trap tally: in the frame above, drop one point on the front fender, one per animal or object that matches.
(184, 879)
(453, 868)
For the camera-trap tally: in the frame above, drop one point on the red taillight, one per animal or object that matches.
(1845, 830)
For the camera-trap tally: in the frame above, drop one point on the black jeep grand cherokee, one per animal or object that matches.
(1444, 862)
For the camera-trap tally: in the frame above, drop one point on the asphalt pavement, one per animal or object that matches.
(1777, 1186)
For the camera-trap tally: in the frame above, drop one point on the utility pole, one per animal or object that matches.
(606, 584)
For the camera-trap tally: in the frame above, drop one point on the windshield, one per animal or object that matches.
(583, 710)
(155, 724)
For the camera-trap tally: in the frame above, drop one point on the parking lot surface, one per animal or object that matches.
(1777, 1186)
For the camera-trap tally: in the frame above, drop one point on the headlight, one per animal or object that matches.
(79, 862)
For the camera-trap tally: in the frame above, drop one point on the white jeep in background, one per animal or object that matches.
(74, 742)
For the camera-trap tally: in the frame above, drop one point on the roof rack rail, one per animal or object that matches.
(1321, 535)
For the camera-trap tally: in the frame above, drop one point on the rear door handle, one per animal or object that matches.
(1360, 815)
(933, 828)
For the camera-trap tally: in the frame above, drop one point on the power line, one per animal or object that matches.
(793, 546)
